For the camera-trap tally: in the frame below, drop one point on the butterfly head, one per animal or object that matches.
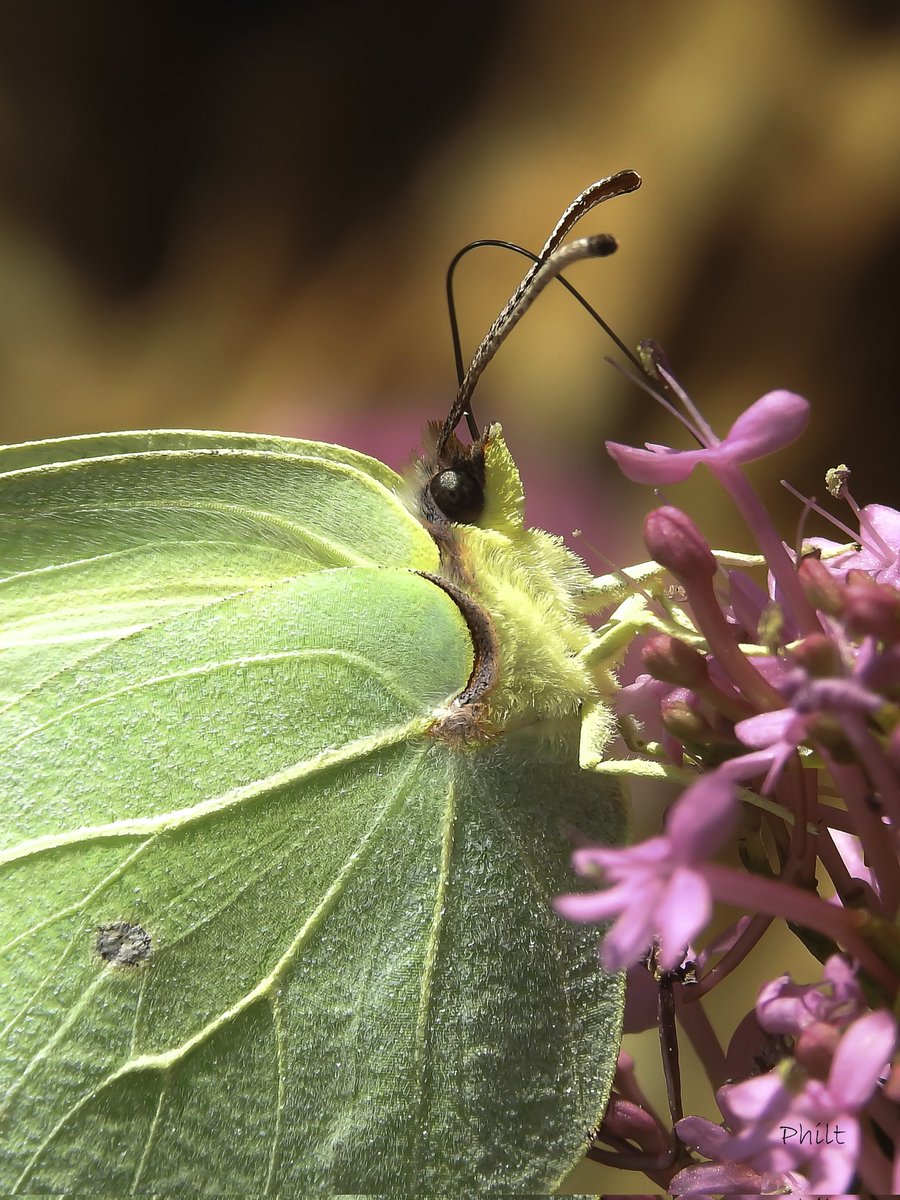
(451, 479)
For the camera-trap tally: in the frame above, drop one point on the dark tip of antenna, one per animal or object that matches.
(603, 244)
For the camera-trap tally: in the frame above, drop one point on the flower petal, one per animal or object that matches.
(655, 465)
(769, 727)
(618, 862)
(685, 909)
(781, 1006)
(718, 1179)
(838, 973)
(849, 848)
(753, 1099)
(702, 819)
(627, 941)
(829, 1169)
(770, 423)
(702, 1135)
(886, 523)
(747, 601)
(861, 1056)
(590, 907)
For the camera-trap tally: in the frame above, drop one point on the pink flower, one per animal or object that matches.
(786, 1007)
(879, 553)
(771, 423)
(747, 604)
(642, 700)
(781, 731)
(773, 1128)
(657, 891)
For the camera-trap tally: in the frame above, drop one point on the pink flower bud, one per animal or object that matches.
(674, 661)
(676, 543)
(818, 655)
(683, 722)
(822, 589)
(872, 608)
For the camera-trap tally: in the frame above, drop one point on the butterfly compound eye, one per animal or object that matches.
(458, 494)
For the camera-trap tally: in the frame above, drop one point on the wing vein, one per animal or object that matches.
(176, 818)
(41, 987)
(75, 907)
(448, 836)
(281, 1091)
(151, 1136)
(299, 535)
(165, 1059)
(226, 664)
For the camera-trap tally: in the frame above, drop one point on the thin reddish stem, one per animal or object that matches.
(803, 908)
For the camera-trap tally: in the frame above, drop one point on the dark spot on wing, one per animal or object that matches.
(123, 944)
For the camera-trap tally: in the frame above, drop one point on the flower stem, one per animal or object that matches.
(877, 841)
(876, 765)
(712, 624)
(752, 510)
(846, 888)
(803, 908)
(696, 1024)
(733, 956)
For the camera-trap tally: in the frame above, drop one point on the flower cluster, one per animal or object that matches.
(775, 703)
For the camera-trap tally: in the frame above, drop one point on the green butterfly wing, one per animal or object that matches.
(222, 686)
(101, 536)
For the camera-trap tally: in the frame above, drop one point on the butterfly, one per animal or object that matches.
(291, 754)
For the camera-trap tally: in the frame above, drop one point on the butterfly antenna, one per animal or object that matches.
(573, 291)
(548, 265)
(454, 324)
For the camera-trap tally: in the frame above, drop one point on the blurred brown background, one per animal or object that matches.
(238, 215)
